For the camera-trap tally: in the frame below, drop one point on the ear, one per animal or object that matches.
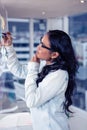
(54, 55)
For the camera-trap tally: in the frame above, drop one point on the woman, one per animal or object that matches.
(48, 93)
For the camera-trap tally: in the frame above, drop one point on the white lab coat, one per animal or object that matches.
(46, 101)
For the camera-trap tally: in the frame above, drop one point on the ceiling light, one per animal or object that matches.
(43, 13)
(82, 1)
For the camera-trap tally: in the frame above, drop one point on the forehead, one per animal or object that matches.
(45, 39)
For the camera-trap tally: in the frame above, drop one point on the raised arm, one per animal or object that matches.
(13, 64)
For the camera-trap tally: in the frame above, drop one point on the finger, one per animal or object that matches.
(8, 34)
(33, 58)
(4, 37)
(7, 38)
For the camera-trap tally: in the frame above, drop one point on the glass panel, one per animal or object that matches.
(12, 87)
(78, 32)
(20, 30)
(3, 29)
(39, 30)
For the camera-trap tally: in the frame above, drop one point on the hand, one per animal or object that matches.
(6, 39)
(35, 59)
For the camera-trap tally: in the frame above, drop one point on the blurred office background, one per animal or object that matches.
(27, 33)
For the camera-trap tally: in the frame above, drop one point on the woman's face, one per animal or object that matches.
(43, 50)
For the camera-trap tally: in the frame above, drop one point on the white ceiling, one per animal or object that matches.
(34, 8)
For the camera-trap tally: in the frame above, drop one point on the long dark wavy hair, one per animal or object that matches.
(60, 42)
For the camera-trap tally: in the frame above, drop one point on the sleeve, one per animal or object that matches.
(14, 65)
(53, 84)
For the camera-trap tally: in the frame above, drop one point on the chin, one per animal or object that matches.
(39, 57)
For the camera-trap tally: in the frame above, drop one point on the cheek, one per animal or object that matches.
(45, 55)
(41, 53)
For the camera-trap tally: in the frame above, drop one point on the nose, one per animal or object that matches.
(39, 46)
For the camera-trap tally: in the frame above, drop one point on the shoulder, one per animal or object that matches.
(62, 72)
(59, 72)
(56, 76)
